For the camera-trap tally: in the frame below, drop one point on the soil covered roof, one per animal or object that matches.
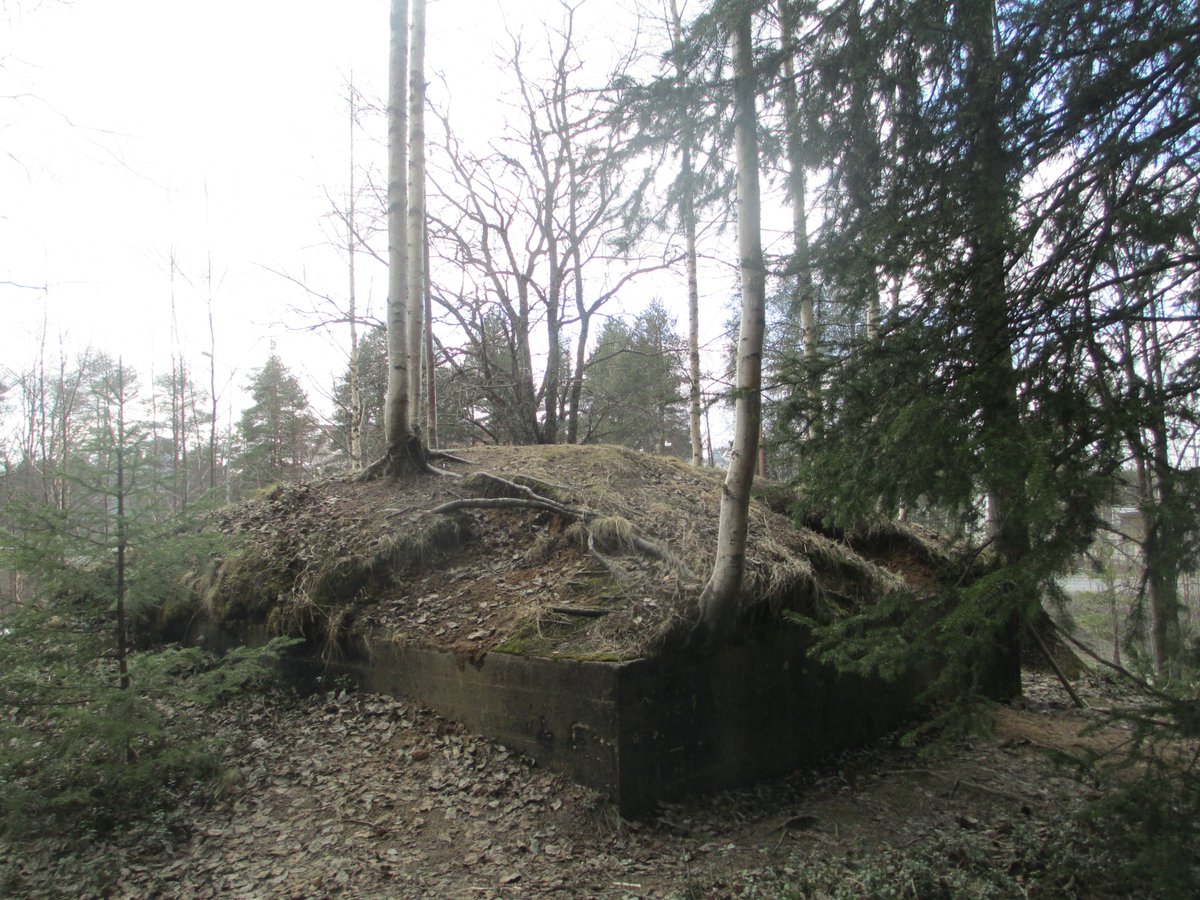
(591, 552)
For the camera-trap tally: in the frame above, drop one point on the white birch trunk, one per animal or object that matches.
(396, 414)
(687, 213)
(431, 412)
(416, 207)
(720, 600)
(356, 405)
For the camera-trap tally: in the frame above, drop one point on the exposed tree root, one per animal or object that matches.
(443, 456)
(716, 625)
(609, 566)
(411, 458)
(506, 494)
(505, 503)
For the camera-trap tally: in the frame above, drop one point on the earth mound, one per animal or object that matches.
(590, 552)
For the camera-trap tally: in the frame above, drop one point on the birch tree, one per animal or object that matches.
(355, 430)
(719, 602)
(687, 218)
(404, 452)
(416, 209)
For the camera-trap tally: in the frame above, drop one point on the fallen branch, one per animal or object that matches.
(956, 783)
(587, 612)
(1075, 698)
(1148, 688)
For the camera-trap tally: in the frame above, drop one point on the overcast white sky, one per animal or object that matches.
(131, 129)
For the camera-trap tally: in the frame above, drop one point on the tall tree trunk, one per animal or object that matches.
(1164, 570)
(864, 175)
(403, 451)
(1004, 463)
(575, 390)
(355, 416)
(1149, 446)
(122, 536)
(212, 376)
(1160, 551)
(552, 385)
(694, 386)
(183, 435)
(1115, 619)
(1159, 505)
(577, 373)
(801, 263)
(431, 401)
(687, 216)
(416, 208)
(719, 602)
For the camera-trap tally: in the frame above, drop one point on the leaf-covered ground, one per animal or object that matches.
(346, 795)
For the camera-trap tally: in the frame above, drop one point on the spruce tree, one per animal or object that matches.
(1035, 190)
(97, 733)
(276, 432)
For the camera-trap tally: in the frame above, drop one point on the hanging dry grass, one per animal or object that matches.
(589, 552)
(612, 534)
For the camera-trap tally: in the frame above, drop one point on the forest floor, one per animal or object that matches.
(352, 795)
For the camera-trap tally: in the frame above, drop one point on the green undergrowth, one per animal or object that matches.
(80, 756)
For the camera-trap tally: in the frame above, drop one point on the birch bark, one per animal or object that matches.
(720, 600)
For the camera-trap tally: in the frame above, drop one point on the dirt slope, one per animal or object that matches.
(609, 566)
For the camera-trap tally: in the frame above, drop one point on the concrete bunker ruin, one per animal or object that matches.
(554, 628)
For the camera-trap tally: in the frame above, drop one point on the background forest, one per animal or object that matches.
(982, 276)
(981, 263)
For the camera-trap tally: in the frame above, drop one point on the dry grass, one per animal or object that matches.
(616, 578)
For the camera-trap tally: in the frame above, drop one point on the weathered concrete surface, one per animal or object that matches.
(753, 711)
(652, 729)
(563, 713)
(638, 731)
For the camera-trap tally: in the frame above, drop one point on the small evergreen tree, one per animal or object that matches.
(372, 390)
(633, 390)
(95, 734)
(276, 432)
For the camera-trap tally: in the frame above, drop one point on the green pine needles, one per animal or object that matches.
(94, 732)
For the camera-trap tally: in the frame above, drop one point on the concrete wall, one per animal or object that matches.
(754, 711)
(644, 730)
(654, 729)
(563, 713)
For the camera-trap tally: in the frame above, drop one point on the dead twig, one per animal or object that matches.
(1075, 698)
(1116, 667)
(587, 612)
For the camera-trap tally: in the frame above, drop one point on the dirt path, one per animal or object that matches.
(361, 796)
